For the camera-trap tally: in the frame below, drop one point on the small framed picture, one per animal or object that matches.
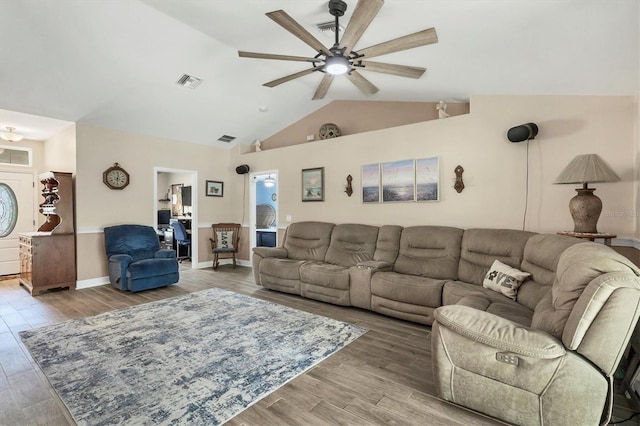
(427, 179)
(313, 184)
(214, 188)
(371, 183)
(398, 181)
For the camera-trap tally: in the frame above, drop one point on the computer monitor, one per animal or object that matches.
(164, 215)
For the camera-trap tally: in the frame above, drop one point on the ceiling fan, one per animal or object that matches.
(342, 58)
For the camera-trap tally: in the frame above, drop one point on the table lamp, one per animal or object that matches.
(585, 207)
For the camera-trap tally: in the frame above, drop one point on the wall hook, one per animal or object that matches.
(459, 186)
(348, 188)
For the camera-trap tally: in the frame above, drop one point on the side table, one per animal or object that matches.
(591, 236)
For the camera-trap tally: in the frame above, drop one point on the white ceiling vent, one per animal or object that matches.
(189, 81)
(226, 138)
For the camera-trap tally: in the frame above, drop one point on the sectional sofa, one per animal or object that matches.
(528, 328)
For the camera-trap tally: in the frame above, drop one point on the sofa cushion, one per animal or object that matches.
(325, 275)
(480, 247)
(388, 243)
(351, 243)
(541, 255)
(281, 268)
(430, 251)
(416, 290)
(152, 267)
(308, 240)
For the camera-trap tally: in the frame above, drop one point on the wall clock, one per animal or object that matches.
(115, 177)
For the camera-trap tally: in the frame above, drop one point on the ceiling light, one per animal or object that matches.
(269, 182)
(10, 136)
(337, 65)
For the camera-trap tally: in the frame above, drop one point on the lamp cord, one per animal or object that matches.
(526, 191)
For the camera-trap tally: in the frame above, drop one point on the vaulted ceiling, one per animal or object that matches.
(115, 63)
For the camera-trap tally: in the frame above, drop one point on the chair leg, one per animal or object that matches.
(215, 260)
(234, 261)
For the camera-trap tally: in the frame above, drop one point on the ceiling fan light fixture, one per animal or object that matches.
(10, 135)
(337, 65)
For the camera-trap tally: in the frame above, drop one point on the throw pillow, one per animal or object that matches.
(504, 279)
(225, 239)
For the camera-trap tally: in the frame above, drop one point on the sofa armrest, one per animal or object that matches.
(376, 265)
(498, 332)
(118, 265)
(165, 254)
(280, 252)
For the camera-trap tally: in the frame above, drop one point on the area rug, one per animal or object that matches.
(197, 359)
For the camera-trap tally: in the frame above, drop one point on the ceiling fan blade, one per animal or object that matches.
(362, 16)
(277, 57)
(399, 70)
(323, 87)
(288, 23)
(289, 77)
(421, 38)
(362, 83)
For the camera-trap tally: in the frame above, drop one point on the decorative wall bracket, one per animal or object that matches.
(459, 186)
(349, 188)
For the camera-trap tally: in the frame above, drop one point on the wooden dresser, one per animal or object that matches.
(48, 257)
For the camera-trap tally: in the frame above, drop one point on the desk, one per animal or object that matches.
(591, 236)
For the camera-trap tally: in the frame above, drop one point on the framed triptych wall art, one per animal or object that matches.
(401, 181)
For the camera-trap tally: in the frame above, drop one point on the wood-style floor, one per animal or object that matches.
(384, 377)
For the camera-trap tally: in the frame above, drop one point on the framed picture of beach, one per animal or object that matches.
(313, 184)
(427, 179)
(398, 181)
(371, 183)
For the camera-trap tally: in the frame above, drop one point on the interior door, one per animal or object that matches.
(22, 187)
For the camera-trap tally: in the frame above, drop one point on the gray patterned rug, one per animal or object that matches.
(197, 359)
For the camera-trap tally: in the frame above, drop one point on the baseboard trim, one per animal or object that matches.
(92, 282)
(626, 242)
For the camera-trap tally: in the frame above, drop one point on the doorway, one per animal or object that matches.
(264, 209)
(175, 196)
(17, 215)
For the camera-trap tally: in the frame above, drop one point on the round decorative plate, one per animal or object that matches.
(8, 210)
(329, 130)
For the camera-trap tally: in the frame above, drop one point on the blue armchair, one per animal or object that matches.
(136, 261)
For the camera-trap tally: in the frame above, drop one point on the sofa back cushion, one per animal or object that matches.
(578, 267)
(388, 243)
(308, 240)
(351, 243)
(138, 241)
(541, 255)
(481, 247)
(430, 251)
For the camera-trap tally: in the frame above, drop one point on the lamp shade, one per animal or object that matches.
(587, 168)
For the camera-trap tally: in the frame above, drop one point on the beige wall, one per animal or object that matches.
(60, 151)
(495, 169)
(97, 206)
(353, 117)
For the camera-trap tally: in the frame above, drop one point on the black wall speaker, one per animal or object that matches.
(522, 132)
(242, 170)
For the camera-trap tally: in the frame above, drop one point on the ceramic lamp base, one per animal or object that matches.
(585, 210)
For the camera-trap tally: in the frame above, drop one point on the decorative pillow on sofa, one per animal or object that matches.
(504, 279)
(225, 240)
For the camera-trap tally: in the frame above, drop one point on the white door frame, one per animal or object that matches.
(252, 207)
(194, 207)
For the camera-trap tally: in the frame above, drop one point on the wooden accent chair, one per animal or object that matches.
(224, 244)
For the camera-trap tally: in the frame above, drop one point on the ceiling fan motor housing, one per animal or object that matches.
(337, 7)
